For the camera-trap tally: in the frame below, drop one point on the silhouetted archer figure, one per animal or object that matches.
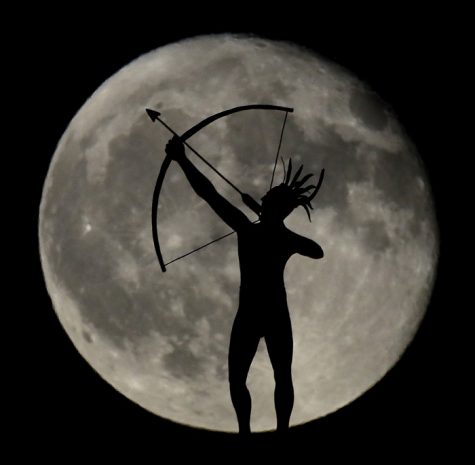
(263, 250)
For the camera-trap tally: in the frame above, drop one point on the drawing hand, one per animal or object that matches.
(175, 149)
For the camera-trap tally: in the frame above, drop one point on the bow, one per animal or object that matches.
(248, 200)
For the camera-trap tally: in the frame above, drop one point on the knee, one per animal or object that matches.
(236, 381)
(283, 378)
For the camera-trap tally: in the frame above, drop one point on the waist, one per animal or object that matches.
(256, 292)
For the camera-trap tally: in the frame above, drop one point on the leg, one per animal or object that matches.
(280, 347)
(242, 349)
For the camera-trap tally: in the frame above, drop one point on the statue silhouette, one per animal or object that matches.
(263, 250)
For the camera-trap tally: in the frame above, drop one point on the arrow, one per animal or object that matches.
(153, 114)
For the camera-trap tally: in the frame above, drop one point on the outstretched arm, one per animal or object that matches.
(231, 215)
(307, 247)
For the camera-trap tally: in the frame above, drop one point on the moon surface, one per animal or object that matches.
(161, 339)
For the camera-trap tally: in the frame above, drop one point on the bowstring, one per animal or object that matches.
(205, 245)
(278, 150)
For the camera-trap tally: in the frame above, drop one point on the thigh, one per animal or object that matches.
(242, 348)
(279, 342)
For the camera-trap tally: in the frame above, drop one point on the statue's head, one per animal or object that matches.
(281, 200)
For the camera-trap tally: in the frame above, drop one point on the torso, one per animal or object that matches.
(263, 253)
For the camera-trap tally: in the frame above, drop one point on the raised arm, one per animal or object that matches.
(231, 215)
(307, 247)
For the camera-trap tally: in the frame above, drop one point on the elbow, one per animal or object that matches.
(318, 253)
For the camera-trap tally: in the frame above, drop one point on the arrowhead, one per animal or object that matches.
(152, 114)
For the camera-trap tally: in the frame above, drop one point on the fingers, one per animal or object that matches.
(175, 141)
(175, 147)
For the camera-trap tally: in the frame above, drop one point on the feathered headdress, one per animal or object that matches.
(297, 190)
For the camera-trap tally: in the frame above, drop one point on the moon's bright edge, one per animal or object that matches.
(161, 339)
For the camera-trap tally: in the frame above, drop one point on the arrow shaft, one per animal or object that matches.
(200, 156)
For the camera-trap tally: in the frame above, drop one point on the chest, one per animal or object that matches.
(265, 245)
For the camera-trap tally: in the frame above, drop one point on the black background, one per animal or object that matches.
(59, 402)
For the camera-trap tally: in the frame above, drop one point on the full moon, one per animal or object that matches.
(161, 339)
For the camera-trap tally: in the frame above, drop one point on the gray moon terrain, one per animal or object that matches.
(161, 339)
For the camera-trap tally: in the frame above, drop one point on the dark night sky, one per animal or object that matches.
(61, 399)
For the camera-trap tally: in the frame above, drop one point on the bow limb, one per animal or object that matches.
(210, 119)
(156, 195)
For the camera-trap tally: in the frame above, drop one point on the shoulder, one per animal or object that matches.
(293, 236)
(245, 226)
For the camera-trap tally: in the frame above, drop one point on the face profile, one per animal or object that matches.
(281, 200)
(276, 204)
